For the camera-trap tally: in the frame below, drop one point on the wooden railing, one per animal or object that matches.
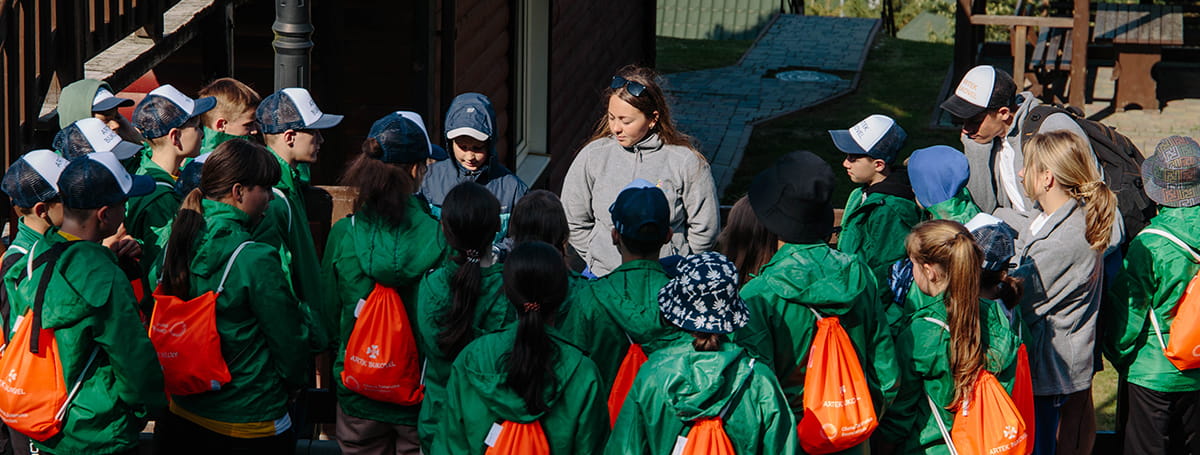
(44, 44)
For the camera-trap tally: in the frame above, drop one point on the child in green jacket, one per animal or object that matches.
(389, 240)
(792, 199)
(880, 212)
(941, 345)
(539, 216)
(618, 310)
(700, 375)
(233, 117)
(170, 121)
(92, 311)
(31, 183)
(461, 300)
(1163, 417)
(257, 319)
(527, 373)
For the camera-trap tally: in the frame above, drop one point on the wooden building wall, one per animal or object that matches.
(589, 41)
(483, 60)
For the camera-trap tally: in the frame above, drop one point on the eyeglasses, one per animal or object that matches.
(632, 87)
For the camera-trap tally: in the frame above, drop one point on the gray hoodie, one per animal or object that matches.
(1062, 296)
(984, 182)
(603, 168)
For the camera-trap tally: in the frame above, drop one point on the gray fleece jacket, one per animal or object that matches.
(1062, 296)
(603, 168)
(984, 182)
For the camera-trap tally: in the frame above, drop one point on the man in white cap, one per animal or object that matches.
(992, 112)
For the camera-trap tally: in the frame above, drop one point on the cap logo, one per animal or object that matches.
(108, 136)
(471, 110)
(967, 89)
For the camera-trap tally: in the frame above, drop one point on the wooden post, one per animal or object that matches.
(1079, 45)
(1018, 49)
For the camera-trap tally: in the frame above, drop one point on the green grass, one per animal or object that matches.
(677, 55)
(901, 79)
(1104, 397)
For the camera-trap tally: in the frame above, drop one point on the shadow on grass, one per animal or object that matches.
(901, 79)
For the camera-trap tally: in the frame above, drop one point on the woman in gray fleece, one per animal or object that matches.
(637, 139)
(1060, 246)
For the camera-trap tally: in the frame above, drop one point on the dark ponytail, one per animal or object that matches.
(535, 281)
(383, 188)
(470, 220)
(1008, 288)
(233, 162)
(707, 342)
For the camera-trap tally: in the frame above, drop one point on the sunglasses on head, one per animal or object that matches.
(632, 87)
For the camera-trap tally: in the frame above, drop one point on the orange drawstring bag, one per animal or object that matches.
(634, 358)
(707, 435)
(986, 423)
(1183, 349)
(184, 333)
(512, 438)
(381, 360)
(1022, 394)
(33, 394)
(838, 410)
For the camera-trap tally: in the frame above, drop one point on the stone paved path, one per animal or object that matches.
(1146, 127)
(719, 107)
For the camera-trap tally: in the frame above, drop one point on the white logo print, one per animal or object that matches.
(1196, 351)
(373, 351)
(1010, 432)
(12, 375)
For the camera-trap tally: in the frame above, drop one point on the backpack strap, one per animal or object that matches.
(279, 193)
(938, 322)
(5, 305)
(937, 415)
(166, 185)
(229, 265)
(49, 258)
(62, 412)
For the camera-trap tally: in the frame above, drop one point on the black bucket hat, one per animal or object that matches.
(792, 198)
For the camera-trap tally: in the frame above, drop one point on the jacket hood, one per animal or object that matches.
(1180, 221)
(896, 184)
(960, 208)
(388, 254)
(472, 110)
(225, 229)
(488, 372)
(817, 276)
(75, 102)
(702, 383)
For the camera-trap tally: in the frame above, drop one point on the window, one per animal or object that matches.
(531, 76)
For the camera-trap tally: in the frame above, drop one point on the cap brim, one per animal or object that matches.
(845, 142)
(466, 131)
(111, 103)
(326, 121)
(125, 150)
(203, 105)
(961, 108)
(142, 185)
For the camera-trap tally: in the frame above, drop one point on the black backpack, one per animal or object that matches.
(1120, 159)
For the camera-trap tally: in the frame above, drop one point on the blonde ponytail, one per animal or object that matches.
(1068, 157)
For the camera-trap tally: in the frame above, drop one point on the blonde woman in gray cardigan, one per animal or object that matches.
(636, 139)
(1060, 247)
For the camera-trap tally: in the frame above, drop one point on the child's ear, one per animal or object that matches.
(220, 124)
(880, 165)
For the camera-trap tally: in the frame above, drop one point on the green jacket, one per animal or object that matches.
(362, 251)
(213, 138)
(21, 242)
(90, 306)
(492, 314)
(923, 350)
(678, 385)
(613, 310)
(802, 278)
(875, 222)
(148, 218)
(257, 319)
(285, 227)
(1155, 273)
(961, 208)
(477, 398)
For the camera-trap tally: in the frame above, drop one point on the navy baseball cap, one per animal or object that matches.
(639, 204)
(97, 180)
(995, 238)
(983, 87)
(106, 100)
(189, 177)
(402, 137)
(92, 135)
(165, 108)
(33, 178)
(877, 136)
(292, 109)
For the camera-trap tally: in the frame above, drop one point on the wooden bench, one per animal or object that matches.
(1138, 33)
(1053, 50)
